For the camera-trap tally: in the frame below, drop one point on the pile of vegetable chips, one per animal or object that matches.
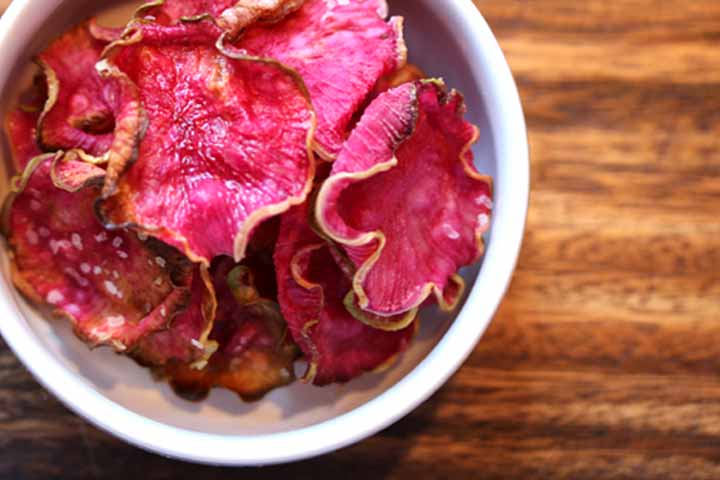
(221, 188)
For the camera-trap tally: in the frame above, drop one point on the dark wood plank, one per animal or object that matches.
(603, 360)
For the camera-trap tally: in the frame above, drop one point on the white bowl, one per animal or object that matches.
(447, 38)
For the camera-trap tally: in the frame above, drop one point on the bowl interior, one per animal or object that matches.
(433, 46)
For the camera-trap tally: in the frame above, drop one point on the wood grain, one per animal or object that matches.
(603, 361)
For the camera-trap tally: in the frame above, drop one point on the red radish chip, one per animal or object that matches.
(313, 290)
(230, 15)
(94, 111)
(254, 355)
(410, 151)
(21, 123)
(228, 144)
(68, 172)
(186, 339)
(340, 49)
(112, 286)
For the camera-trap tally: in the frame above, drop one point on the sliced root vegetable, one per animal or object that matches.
(254, 354)
(94, 111)
(411, 153)
(312, 292)
(113, 287)
(186, 340)
(21, 123)
(228, 144)
(230, 15)
(340, 49)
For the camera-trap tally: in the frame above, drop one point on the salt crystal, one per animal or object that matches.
(32, 237)
(115, 321)
(483, 220)
(451, 233)
(76, 241)
(54, 297)
(112, 289)
(484, 201)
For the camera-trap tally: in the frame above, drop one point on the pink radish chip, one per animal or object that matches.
(411, 152)
(227, 145)
(340, 49)
(312, 292)
(84, 110)
(113, 287)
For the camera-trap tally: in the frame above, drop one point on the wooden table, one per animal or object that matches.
(604, 360)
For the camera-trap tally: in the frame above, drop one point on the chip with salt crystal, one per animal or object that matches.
(228, 143)
(106, 283)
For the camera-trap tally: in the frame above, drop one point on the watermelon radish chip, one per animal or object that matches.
(411, 149)
(230, 15)
(94, 111)
(340, 49)
(312, 292)
(254, 353)
(113, 287)
(228, 144)
(185, 340)
(21, 123)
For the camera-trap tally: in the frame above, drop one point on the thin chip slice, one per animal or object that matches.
(228, 144)
(312, 291)
(231, 15)
(83, 109)
(113, 287)
(411, 153)
(341, 49)
(254, 354)
(186, 340)
(68, 172)
(20, 124)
